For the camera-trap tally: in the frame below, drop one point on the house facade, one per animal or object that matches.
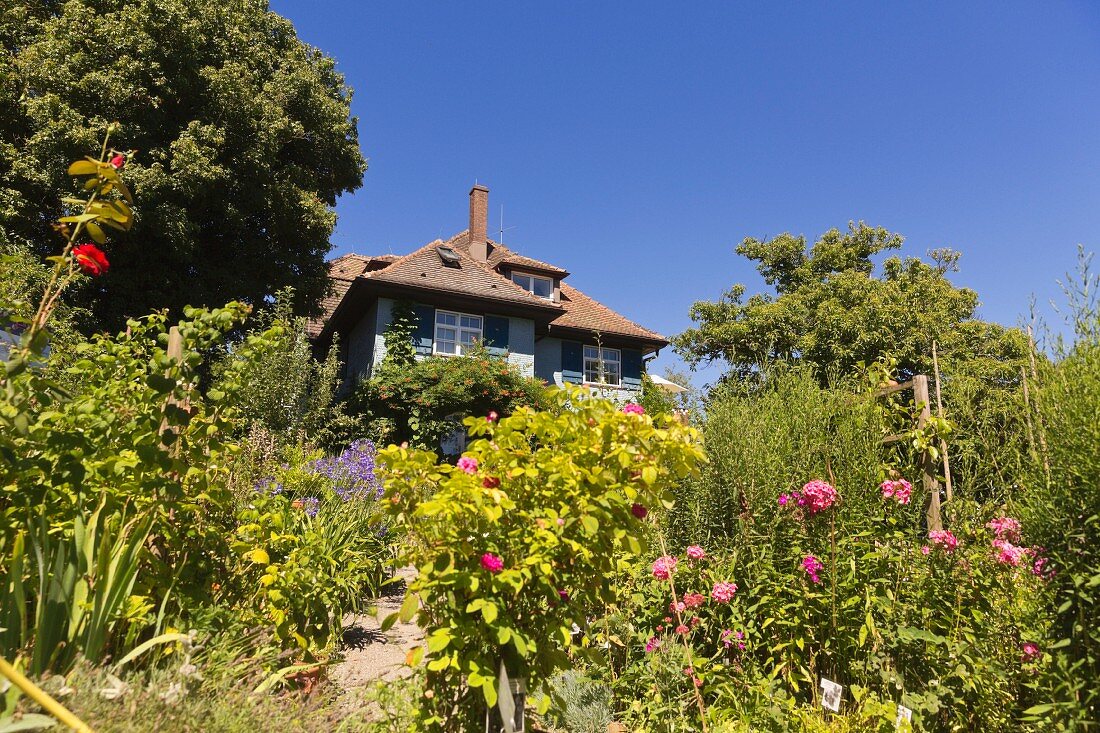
(469, 289)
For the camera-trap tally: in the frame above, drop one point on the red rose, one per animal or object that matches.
(90, 259)
(639, 511)
(118, 161)
(490, 482)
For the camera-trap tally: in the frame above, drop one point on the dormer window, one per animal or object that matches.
(541, 287)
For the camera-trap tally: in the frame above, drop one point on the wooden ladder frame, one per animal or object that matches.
(919, 385)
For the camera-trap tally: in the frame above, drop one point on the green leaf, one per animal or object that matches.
(83, 168)
(438, 641)
(95, 232)
(591, 524)
(649, 475)
(489, 612)
(408, 608)
(389, 621)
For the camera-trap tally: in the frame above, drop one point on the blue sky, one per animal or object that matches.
(636, 144)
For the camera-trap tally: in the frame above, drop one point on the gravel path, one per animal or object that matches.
(368, 653)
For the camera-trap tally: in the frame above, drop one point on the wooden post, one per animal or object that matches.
(175, 351)
(939, 414)
(928, 466)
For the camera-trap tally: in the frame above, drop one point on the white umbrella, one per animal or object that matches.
(667, 385)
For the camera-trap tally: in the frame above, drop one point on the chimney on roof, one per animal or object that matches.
(479, 222)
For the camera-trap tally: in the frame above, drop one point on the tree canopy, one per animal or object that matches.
(244, 140)
(832, 310)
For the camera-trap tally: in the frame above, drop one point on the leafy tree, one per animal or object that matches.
(832, 311)
(244, 135)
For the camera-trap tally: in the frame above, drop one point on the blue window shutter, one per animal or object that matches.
(496, 334)
(572, 364)
(425, 329)
(632, 368)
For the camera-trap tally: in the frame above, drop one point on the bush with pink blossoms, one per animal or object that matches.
(899, 490)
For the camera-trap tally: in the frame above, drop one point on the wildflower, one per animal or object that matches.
(633, 408)
(817, 496)
(1030, 652)
(695, 620)
(312, 505)
(663, 567)
(352, 473)
(1010, 554)
(561, 522)
(490, 482)
(493, 563)
(812, 566)
(660, 627)
(467, 464)
(492, 416)
(944, 539)
(652, 644)
(925, 549)
(1006, 528)
(667, 619)
(695, 552)
(897, 489)
(90, 259)
(694, 600)
(677, 607)
(722, 592)
(118, 161)
(639, 511)
(783, 499)
(681, 629)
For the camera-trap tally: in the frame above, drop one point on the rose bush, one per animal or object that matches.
(521, 543)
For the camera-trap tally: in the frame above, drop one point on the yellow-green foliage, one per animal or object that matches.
(553, 495)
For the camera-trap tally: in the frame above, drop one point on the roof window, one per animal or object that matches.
(448, 256)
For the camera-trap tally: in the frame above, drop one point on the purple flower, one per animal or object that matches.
(312, 504)
(812, 566)
(352, 473)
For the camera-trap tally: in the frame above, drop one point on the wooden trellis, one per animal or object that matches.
(919, 385)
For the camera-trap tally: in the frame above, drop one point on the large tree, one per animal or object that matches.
(244, 140)
(832, 310)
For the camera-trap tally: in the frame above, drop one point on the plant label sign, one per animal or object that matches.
(905, 719)
(830, 695)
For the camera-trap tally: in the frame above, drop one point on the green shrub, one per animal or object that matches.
(523, 538)
(426, 400)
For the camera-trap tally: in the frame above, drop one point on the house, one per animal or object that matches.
(470, 289)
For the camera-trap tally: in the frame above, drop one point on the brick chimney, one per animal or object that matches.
(479, 222)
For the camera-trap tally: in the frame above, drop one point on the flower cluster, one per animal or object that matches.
(722, 592)
(1010, 554)
(694, 600)
(493, 563)
(816, 496)
(812, 566)
(664, 567)
(312, 505)
(1029, 652)
(633, 408)
(352, 473)
(896, 489)
(1005, 528)
(942, 539)
(467, 464)
(730, 637)
(695, 552)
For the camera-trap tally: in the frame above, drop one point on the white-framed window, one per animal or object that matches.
(602, 366)
(543, 287)
(456, 333)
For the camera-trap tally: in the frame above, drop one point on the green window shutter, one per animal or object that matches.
(495, 334)
(425, 329)
(572, 362)
(632, 368)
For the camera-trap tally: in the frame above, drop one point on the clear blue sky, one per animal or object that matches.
(636, 144)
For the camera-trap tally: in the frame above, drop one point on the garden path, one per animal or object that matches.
(370, 654)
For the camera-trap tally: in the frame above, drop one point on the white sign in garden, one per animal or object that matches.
(830, 695)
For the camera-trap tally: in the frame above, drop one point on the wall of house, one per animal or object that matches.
(548, 368)
(381, 314)
(360, 349)
(521, 345)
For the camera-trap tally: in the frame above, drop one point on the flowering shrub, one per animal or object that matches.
(493, 562)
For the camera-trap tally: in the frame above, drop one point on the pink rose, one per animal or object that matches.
(633, 408)
(493, 563)
(467, 464)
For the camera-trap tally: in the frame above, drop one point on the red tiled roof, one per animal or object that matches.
(423, 269)
(585, 314)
